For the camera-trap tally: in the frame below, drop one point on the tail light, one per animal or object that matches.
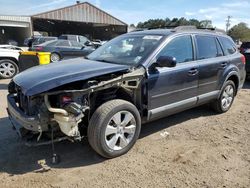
(39, 48)
(243, 59)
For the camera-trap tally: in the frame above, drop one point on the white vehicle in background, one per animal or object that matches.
(9, 61)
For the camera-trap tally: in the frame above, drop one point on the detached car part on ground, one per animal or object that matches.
(133, 79)
(9, 61)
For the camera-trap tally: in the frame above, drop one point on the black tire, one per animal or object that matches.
(52, 59)
(8, 73)
(99, 122)
(217, 104)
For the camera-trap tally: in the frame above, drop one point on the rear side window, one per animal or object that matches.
(75, 44)
(72, 37)
(64, 43)
(227, 45)
(51, 43)
(180, 47)
(206, 47)
(219, 49)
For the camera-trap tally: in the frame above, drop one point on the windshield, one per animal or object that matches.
(126, 50)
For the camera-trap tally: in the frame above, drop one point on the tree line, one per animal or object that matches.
(175, 22)
(238, 32)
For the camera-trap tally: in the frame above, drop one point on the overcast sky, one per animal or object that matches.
(134, 11)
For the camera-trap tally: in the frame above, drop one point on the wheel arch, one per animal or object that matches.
(110, 94)
(233, 76)
(9, 58)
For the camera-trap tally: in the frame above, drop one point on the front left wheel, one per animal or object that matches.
(114, 128)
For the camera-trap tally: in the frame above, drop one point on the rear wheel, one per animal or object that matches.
(114, 128)
(225, 101)
(8, 68)
(55, 57)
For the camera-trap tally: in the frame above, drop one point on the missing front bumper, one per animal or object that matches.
(19, 119)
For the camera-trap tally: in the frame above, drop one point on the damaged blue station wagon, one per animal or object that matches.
(134, 78)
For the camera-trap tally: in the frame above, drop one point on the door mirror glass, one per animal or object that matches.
(166, 61)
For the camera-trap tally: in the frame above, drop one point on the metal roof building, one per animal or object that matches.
(81, 12)
(80, 18)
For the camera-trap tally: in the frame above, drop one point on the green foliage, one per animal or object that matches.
(240, 32)
(132, 25)
(175, 22)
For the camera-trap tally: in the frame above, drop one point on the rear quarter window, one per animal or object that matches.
(206, 47)
(228, 45)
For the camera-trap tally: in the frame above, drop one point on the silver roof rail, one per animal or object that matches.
(194, 28)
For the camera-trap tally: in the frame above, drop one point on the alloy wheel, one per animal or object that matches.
(227, 97)
(54, 57)
(120, 130)
(7, 70)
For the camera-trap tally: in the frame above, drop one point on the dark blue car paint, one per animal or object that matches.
(171, 90)
(43, 78)
(168, 90)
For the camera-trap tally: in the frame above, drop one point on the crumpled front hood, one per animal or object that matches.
(46, 77)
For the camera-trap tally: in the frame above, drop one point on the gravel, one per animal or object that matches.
(195, 148)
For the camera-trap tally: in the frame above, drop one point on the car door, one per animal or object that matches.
(212, 63)
(63, 46)
(173, 89)
(77, 49)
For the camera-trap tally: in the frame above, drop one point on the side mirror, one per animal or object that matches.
(166, 61)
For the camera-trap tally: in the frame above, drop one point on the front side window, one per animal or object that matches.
(180, 47)
(228, 45)
(206, 47)
(127, 50)
(83, 39)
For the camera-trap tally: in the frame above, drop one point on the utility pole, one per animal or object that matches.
(228, 23)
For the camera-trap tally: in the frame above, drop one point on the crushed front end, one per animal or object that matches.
(36, 116)
(64, 111)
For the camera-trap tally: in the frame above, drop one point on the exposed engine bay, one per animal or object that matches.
(67, 109)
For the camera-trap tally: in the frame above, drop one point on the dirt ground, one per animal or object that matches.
(202, 149)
